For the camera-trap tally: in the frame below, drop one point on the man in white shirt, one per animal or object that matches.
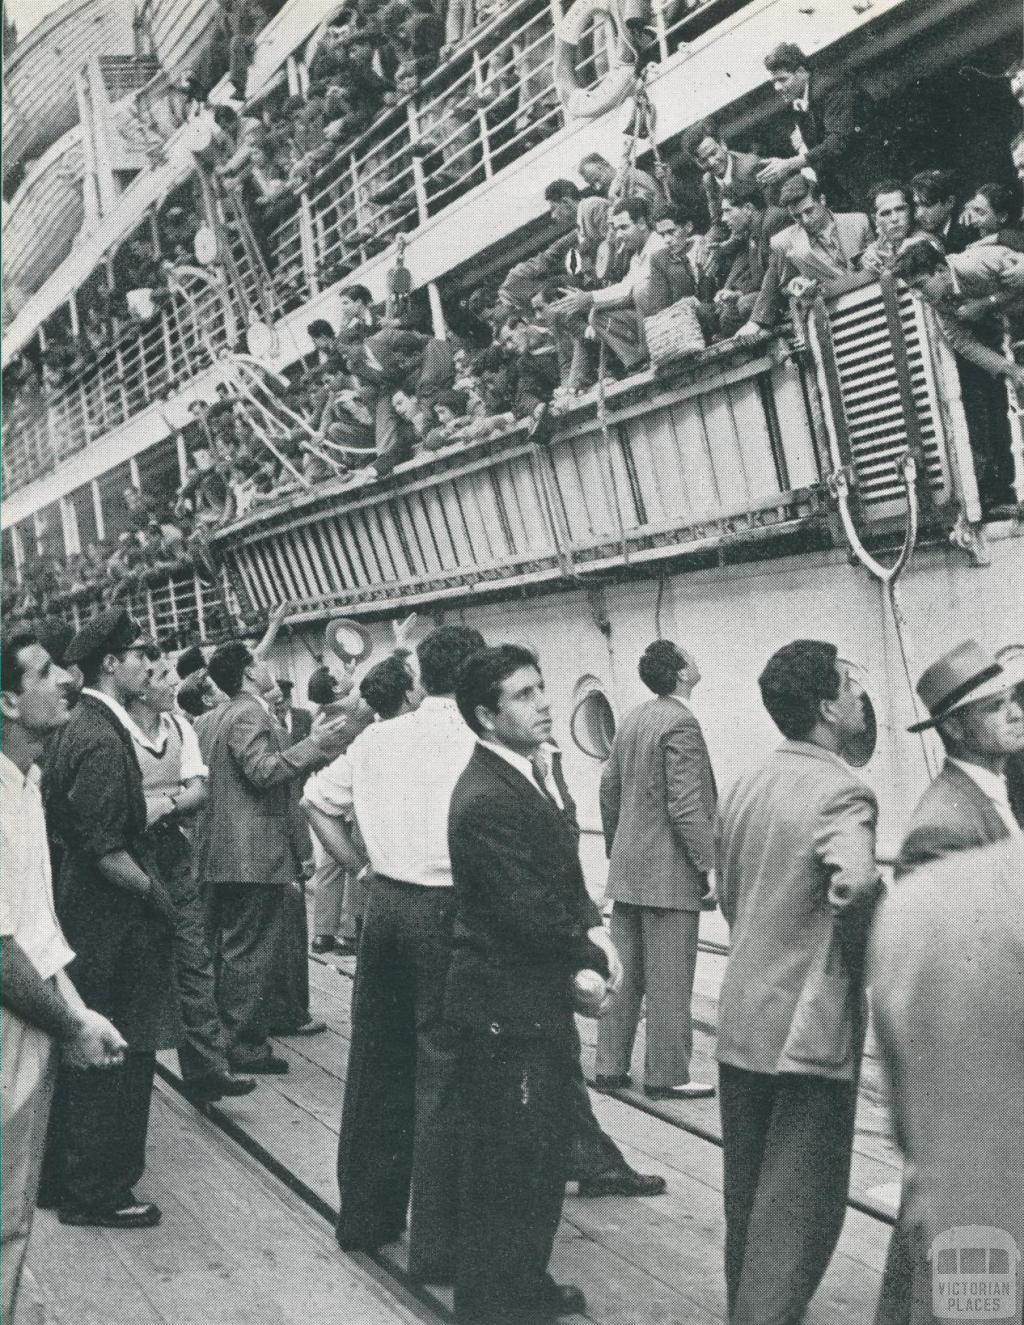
(41, 1007)
(397, 778)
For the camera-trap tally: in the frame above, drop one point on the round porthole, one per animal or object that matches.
(857, 751)
(593, 720)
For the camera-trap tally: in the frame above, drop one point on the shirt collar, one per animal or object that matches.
(11, 776)
(802, 104)
(121, 714)
(992, 784)
(680, 700)
(815, 752)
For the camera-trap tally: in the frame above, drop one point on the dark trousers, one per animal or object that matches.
(97, 1139)
(592, 1152)
(786, 1144)
(289, 1002)
(244, 929)
(988, 426)
(514, 1103)
(398, 1121)
(204, 1049)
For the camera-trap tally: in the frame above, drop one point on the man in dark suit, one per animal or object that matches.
(654, 281)
(297, 722)
(524, 926)
(119, 919)
(245, 847)
(797, 883)
(658, 802)
(748, 229)
(937, 209)
(827, 126)
(974, 708)
(721, 169)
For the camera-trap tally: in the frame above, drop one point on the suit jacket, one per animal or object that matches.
(658, 800)
(947, 990)
(299, 724)
(1015, 785)
(655, 280)
(954, 814)
(793, 254)
(745, 166)
(797, 883)
(521, 907)
(748, 262)
(245, 832)
(124, 959)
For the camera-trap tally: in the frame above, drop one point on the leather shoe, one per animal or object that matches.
(693, 1090)
(216, 1085)
(623, 1182)
(310, 1027)
(268, 1065)
(323, 943)
(622, 1082)
(139, 1214)
(561, 1300)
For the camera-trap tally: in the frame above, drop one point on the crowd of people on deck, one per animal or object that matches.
(162, 813)
(744, 241)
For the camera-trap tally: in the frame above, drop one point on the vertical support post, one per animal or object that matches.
(481, 115)
(133, 470)
(179, 446)
(19, 551)
(73, 314)
(436, 311)
(97, 510)
(419, 183)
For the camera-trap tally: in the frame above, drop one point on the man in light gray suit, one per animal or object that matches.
(245, 847)
(797, 883)
(658, 802)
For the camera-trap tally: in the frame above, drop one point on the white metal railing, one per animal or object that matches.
(484, 108)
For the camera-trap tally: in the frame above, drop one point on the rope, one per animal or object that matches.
(602, 418)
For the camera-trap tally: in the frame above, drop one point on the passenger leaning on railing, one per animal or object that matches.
(977, 294)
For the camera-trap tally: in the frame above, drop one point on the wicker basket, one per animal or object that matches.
(674, 333)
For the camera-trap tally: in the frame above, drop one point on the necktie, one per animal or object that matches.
(540, 775)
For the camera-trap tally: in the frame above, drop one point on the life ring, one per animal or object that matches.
(621, 79)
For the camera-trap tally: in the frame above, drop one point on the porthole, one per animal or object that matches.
(593, 719)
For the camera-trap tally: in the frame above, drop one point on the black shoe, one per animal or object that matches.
(268, 1065)
(561, 1300)
(693, 1090)
(215, 1085)
(622, 1082)
(323, 943)
(309, 1027)
(139, 1214)
(623, 1182)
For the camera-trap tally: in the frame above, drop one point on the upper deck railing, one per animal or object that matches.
(486, 107)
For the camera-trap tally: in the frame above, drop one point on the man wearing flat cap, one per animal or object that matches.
(972, 704)
(119, 919)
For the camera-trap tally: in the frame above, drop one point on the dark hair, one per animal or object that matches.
(386, 686)
(285, 686)
(227, 667)
(797, 678)
(561, 190)
(786, 58)
(934, 186)
(594, 159)
(1000, 198)
(796, 188)
(694, 136)
(319, 327)
(12, 674)
(637, 209)
(888, 186)
(191, 697)
(660, 665)
(918, 257)
(442, 653)
(190, 661)
(358, 293)
(484, 674)
(225, 117)
(740, 195)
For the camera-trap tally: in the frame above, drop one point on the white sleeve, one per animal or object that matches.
(330, 790)
(192, 765)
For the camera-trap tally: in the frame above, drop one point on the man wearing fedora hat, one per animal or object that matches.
(972, 705)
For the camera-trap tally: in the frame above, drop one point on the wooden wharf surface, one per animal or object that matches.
(655, 1261)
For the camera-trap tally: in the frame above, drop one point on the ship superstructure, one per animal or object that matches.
(718, 499)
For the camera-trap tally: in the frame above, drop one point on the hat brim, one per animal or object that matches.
(996, 685)
(347, 639)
